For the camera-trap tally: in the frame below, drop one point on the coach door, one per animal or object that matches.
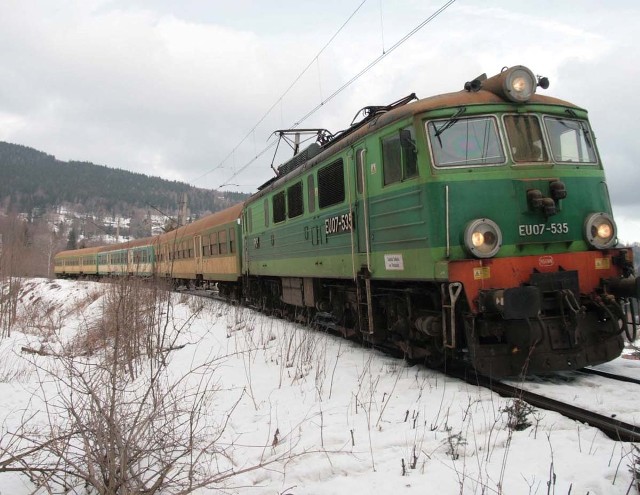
(197, 249)
(361, 209)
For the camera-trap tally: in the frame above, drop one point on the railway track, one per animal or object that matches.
(611, 376)
(613, 428)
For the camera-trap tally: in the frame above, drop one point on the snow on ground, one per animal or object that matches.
(346, 419)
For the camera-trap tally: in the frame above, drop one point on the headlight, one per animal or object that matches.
(483, 238)
(600, 230)
(517, 84)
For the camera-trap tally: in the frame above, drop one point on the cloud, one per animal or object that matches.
(183, 89)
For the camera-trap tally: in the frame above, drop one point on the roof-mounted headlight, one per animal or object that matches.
(483, 238)
(517, 84)
(600, 230)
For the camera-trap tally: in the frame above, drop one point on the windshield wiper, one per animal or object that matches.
(583, 127)
(449, 123)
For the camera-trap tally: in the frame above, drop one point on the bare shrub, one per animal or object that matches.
(119, 422)
(9, 295)
(454, 442)
(132, 313)
(518, 412)
(635, 467)
(124, 421)
(13, 369)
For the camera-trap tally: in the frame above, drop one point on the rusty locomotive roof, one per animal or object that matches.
(447, 100)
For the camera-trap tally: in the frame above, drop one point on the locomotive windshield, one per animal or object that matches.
(570, 140)
(525, 138)
(465, 142)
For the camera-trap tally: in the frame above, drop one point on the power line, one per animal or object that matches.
(351, 81)
(295, 81)
(370, 66)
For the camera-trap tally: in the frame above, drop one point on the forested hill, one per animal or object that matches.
(31, 180)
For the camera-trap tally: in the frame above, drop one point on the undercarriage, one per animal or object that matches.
(528, 330)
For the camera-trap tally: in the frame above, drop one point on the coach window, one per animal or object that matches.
(222, 241)
(206, 249)
(311, 189)
(295, 206)
(399, 156)
(279, 208)
(331, 185)
(232, 240)
(266, 212)
(465, 142)
(214, 243)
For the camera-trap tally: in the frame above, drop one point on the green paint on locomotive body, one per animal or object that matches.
(399, 230)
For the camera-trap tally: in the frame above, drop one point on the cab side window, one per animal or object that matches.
(399, 156)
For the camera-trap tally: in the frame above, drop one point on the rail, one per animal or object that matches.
(613, 428)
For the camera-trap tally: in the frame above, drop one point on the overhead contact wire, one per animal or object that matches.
(295, 81)
(353, 79)
(378, 59)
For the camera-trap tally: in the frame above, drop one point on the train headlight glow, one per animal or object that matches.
(520, 84)
(517, 84)
(483, 238)
(600, 230)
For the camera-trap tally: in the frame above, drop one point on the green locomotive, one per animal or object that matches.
(474, 224)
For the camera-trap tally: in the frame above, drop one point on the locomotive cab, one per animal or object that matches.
(544, 287)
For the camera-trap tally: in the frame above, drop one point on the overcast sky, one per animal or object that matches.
(183, 89)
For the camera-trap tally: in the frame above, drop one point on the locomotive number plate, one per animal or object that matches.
(543, 228)
(338, 224)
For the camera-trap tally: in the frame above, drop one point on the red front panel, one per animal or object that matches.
(503, 273)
